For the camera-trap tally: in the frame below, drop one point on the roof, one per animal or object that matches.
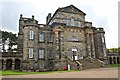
(70, 9)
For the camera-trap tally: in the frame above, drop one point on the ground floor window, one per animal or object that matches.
(41, 65)
(30, 51)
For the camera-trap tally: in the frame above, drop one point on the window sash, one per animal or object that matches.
(41, 53)
(50, 55)
(50, 37)
(72, 22)
(31, 35)
(79, 24)
(41, 37)
(30, 52)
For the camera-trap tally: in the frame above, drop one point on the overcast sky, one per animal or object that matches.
(102, 13)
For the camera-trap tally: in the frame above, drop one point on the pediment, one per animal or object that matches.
(72, 9)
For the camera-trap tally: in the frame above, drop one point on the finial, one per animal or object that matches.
(32, 16)
(21, 15)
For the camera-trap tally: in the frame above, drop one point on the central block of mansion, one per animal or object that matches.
(66, 40)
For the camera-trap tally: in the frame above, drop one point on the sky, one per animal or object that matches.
(102, 13)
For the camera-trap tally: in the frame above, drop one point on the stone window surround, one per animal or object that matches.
(41, 65)
(41, 37)
(31, 34)
(30, 53)
(42, 54)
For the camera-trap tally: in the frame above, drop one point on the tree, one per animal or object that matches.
(12, 38)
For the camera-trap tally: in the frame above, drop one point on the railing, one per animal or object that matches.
(102, 63)
(75, 61)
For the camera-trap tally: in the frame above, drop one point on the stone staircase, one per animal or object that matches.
(86, 63)
(73, 64)
(89, 63)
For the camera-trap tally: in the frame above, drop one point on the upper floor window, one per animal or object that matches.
(50, 37)
(30, 51)
(50, 54)
(41, 37)
(41, 53)
(31, 34)
(103, 39)
(79, 25)
(72, 22)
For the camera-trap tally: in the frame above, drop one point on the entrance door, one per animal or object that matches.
(74, 51)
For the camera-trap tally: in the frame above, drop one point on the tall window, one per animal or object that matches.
(72, 22)
(31, 34)
(41, 53)
(30, 51)
(50, 37)
(50, 55)
(79, 25)
(65, 21)
(41, 37)
(102, 39)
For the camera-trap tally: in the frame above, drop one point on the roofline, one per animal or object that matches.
(61, 8)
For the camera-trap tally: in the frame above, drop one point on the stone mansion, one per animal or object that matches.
(66, 40)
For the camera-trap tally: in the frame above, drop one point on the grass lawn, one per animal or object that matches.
(115, 65)
(11, 72)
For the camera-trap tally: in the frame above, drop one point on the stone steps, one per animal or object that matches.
(88, 63)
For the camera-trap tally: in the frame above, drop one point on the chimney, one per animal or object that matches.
(48, 18)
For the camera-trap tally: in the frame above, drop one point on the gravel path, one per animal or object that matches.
(90, 73)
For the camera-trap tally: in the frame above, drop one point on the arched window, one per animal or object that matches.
(72, 22)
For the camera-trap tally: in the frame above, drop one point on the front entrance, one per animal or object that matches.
(74, 53)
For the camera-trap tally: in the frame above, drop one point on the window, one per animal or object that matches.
(30, 51)
(41, 65)
(41, 53)
(50, 54)
(74, 38)
(41, 37)
(72, 22)
(65, 21)
(79, 25)
(31, 34)
(50, 37)
(103, 39)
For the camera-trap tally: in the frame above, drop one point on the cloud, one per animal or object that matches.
(102, 13)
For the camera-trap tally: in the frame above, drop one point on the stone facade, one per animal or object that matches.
(66, 38)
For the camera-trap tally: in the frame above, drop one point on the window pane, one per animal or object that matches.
(79, 25)
(72, 22)
(31, 34)
(50, 54)
(41, 37)
(50, 37)
(41, 53)
(103, 39)
(30, 52)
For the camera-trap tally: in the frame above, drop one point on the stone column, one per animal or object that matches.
(92, 46)
(13, 64)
